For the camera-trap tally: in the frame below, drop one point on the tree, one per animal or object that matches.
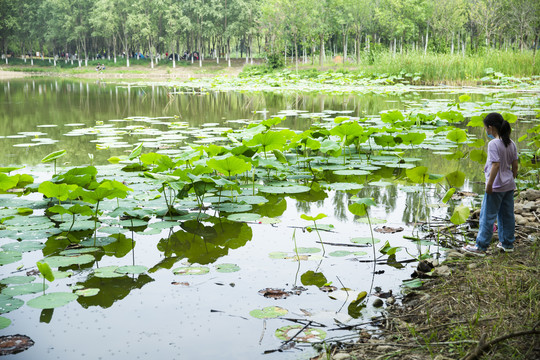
(8, 23)
(448, 18)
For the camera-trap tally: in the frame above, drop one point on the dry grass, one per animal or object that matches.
(483, 300)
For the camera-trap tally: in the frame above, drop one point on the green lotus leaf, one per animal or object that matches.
(308, 335)
(131, 269)
(456, 178)
(313, 278)
(227, 268)
(412, 284)
(344, 186)
(373, 221)
(360, 253)
(448, 195)
(245, 217)
(252, 199)
(340, 253)
(476, 121)
(23, 246)
(8, 303)
(163, 224)
(230, 165)
(460, 215)
(59, 191)
(269, 312)
(230, 207)
(45, 271)
(107, 272)
(457, 136)
(8, 257)
(191, 270)
(308, 250)
(61, 261)
(52, 300)
(4, 322)
(278, 255)
(53, 156)
(78, 225)
(32, 288)
(355, 172)
(293, 189)
(87, 292)
(478, 156)
(364, 240)
(17, 280)
(80, 251)
(313, 218)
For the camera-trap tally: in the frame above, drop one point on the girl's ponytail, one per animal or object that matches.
(504, 132)
(503, 127)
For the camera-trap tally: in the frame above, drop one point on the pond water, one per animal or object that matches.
(159, 310)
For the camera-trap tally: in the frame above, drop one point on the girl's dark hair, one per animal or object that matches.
(503, 127)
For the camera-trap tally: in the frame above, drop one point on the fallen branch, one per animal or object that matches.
(340, 244)
(484, 347)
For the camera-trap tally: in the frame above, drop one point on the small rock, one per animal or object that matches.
(385, 349)
(425, 266)
(341, 356)
(518, 208)
(520, 220)
(441, 357)
(454, 254)
(391, 300)
(442, 271)
(378, 303)
(530, 194)
(529, 206)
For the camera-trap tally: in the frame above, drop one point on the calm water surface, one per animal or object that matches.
(162, 315)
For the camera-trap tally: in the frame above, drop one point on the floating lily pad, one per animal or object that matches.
(62, 274)
(80, 251)
(380, 183)
(278, 255)
(231, 207)
(267, 220)
(60, 261)
(17, 280)
(131, 269)
(244, 217)
(99, 241)
(345, 186)
(133, 223)
(87, 292)
(227, 268)
(23, 246)
(412, 284)
(307, 335)
(24, 289)
(150, 231)
(191, 270)
(360, 253)
(78, 226)
(52, 300)
(252, 199)
(356, 172)
(107, 272)
(163, 224)
(340, 253)
(364, 220)
(308, 250)
(364, 240)
(269, 312)
(8, 303)
(8, 257)
(4, 322)
(295, 189)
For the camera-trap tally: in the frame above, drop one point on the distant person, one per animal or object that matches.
(500, 171)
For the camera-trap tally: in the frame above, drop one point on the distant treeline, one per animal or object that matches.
(299, 28)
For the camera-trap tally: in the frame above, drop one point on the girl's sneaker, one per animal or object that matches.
(472, 249)
(500, 246)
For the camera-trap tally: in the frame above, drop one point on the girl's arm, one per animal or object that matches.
(515, 168)
(492, 174)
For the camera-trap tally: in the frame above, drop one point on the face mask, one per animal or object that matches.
(490, 136)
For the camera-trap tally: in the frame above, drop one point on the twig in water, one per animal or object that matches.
(263, 330)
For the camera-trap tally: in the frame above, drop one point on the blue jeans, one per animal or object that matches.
(500, 206)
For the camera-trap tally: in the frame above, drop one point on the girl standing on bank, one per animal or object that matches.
(498, 204)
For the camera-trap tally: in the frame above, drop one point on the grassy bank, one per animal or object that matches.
(431, 68)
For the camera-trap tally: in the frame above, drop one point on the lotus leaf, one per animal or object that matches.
(8, 257)
(345, 186)
(308, 250)
(313, 278)
(17, 280)
(4, 322)
(293, 189)
(8, 303)
(52, 300)
(307, 335)
(23, 246)
(107, 272)
(227, 268)
(365, 240)
(230, 207)
(131, 269)
(61, 261)
(191, 270)
(269, 312)
(460, 215)
(87, 292)
(24, 289)
(340, 253)
(244, 217)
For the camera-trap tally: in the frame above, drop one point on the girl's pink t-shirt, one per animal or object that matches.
(504, 155)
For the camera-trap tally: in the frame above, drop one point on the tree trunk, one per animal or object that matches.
(296, 52)
(321, 50)
(427, 39)
(452, 48)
